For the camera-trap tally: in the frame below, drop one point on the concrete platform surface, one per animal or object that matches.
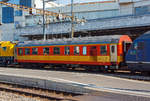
(77, 82)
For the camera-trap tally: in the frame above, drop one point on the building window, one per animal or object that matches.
(20, 51)
(56, 50)
(142, 10)
(46, 51)
(84, 50)
(103, 50)
(76, 50)
(27, 51)
(34, 51)
(67, 50)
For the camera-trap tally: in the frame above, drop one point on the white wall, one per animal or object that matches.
(7, 32)
(126, 9)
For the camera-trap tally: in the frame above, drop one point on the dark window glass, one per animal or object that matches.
(46, 51)
(103, 50)
(27, 51)
(93, 47)
(67, 50)
(76, 50)
(4, 48)
(140, 45)
(133, 52)
(93, 51)
(112, 49)
(84, 50)
(135, 46)
(34, 51)
(15, 52)
(20, 51)
(56, 50)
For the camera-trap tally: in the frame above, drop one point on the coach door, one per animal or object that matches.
(93, 53)
(113, 53)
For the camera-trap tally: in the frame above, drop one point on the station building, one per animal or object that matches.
(104, 17)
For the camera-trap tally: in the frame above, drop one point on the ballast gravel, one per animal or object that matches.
(8, 96)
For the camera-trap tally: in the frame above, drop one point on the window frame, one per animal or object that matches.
(46, 52)
(28, 51)
(84, 50)
(76, 50)
(102, 50)
(66, 50)
(4, 48)
(140, 45)
(19, 51)
(56, 52)
(36, 51)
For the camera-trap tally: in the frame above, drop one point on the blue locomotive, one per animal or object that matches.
(138, 56)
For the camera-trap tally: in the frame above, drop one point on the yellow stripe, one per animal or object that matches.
(66, 58)
(69, 58)
(119, 58)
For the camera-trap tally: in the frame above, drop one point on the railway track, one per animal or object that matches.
(47, 95)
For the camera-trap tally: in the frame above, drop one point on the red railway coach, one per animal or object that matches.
(101, 52)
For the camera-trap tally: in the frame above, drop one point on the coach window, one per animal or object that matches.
(20, 51)
(34, 51)
(67, 50)
(56, 50)
(27, 51)
(103, 50)
(76, 50)
(46, 51)
(84, 50)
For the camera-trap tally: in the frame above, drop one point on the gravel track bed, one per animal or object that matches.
(8, 96)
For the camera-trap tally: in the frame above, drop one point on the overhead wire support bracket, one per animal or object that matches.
(37, 11)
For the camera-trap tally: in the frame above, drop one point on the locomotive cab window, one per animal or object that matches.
(46, 51)
(4, 48)
(103, 50)
(140, 45)
(27, 51)
(56, 50)
(84, 50)
(20, 51)
(135, 46)
(76, 50)
(34, 51)
(67, 50)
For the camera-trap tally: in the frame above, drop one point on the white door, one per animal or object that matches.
(113, 53)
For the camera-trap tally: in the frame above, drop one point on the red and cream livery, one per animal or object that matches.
(101, 52)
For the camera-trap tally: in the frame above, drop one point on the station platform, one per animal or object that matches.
(75, 82)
